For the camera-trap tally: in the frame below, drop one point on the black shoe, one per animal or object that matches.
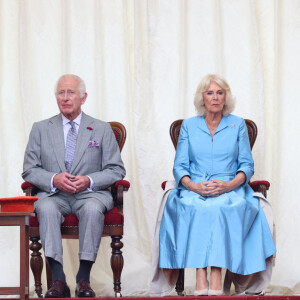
(83, 289)
(59, 289)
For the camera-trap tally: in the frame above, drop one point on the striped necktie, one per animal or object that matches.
(70, 146)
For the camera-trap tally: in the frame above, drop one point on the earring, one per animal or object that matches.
(202, 103)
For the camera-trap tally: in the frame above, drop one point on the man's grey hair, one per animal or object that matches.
(81, 84)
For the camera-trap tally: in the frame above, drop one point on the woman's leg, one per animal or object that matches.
(215, 279)
(201, 279)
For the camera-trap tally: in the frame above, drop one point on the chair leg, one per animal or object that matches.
(36, 264)
(117, 262)
(180, 283)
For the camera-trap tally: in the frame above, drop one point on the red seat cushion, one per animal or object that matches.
(113, 217)
(116, 135)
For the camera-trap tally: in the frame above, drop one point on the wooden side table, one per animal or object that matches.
(19, 219)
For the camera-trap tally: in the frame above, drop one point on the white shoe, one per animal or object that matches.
(215, 292)
(203, 292)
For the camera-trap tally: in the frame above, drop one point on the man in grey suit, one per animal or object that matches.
(72, 159)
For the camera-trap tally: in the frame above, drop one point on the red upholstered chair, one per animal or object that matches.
(258, 186)
(113, 227)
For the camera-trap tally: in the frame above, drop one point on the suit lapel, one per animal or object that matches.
(202, 125)
(57, 135)
(223, 124)
(84, 136)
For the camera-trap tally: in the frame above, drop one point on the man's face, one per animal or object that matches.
(68, 97)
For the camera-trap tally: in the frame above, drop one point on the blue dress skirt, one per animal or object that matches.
(229, 231)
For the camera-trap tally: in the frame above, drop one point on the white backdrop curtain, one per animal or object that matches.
(141, 61)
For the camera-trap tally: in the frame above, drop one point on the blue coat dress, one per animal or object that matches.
(229, 231)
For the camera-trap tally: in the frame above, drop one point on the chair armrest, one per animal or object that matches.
(260, 186)
(163, 184)
(117, 191)
(28, 188)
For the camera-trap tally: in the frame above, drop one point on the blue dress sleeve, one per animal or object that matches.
(182, 162)
(245, 160)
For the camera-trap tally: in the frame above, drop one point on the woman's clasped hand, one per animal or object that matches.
(212, 188)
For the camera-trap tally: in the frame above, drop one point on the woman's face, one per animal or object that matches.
(214, 98)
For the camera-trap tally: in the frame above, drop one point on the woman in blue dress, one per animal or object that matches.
(212, 218)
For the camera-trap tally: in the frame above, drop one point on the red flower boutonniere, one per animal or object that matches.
(89, 128)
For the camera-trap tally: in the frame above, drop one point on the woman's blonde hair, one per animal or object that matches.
(204, 85)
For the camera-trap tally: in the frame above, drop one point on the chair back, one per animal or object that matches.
(252, 132)
(120, 133)
(176, 125)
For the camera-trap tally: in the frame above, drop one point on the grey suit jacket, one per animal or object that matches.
(45, 152)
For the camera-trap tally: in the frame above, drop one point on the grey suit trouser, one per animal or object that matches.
(90, 213)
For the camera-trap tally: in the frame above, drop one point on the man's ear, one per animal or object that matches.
(84, 98)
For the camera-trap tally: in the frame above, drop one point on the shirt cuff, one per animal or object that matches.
(52, 188)
(92, 185)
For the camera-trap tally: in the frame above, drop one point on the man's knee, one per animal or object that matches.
(49, 215)
(46, 206)
(92, 207)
